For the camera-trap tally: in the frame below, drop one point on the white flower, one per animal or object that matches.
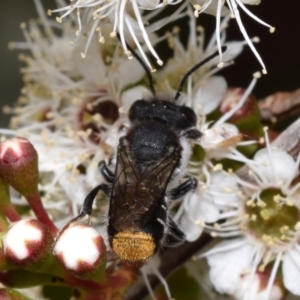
(136, 93)
(269, 225)
(119, 14)
(52, 88)
(257, 291)
(203, 89)
(55, 68)
(208, 96)
(231, 271)
(216, 7)
(251, 2)
(217, 195)
(70, 109)
(209, 204)
(220, 138)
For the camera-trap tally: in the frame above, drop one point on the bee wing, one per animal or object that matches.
(135, 193)
(154, 178)
(125, 211)
(127, 173)
(157, 176)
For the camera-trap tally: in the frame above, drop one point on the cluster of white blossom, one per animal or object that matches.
(78, 89)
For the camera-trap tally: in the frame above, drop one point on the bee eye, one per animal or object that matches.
(189, 115)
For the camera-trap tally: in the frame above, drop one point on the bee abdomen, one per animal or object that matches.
(133, 246)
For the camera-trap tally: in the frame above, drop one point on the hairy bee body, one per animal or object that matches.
(153, 152)
(147, 157)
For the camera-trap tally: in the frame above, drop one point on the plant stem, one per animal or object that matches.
(11, 213)
(36, 205)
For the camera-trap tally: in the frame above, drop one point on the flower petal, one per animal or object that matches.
(92, 67)
(233, 50)
(220, 136)
(129, 72)
(251, 2)
(223, 189)
(147, 4)
(199, 209)
(227, 266)
(134, 94)
(191, 230)
(291, 271)
(210, 94)
(77, 190)
(279, 164)
(254, 291)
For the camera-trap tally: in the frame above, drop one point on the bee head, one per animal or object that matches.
(133, 246)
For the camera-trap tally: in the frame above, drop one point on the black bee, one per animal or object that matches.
(148, 159)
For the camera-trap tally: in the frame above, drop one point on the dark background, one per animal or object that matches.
(280, 50)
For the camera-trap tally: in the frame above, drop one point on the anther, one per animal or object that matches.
(257, 74)
(159, 62)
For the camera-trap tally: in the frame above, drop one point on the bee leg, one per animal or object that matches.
(184, 188)
(89, 199)
(175, 236)
(106, 172)
(193, 134)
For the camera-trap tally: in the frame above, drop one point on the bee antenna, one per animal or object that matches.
(142, 63)
(194, 68)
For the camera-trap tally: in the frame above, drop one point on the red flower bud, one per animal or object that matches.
(80, 249)
(27, 242)
(19, 168)
(19, 165)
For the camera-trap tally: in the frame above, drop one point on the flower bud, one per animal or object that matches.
(19, 165)
(81, 250)
(19, 168)
(27, 242)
